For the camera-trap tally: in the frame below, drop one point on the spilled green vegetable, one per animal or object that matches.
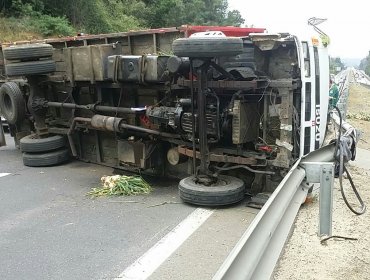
(121, 185)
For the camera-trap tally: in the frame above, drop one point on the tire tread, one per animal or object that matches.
(46, 159)
(30, 68)
(31, 144)
(207, 47)
(18, 111)
(212, 196)
(29, 51)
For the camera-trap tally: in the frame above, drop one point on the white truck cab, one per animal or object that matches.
(315, 93)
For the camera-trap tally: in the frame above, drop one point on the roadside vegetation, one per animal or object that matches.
(33, 19)
(365, 64)
(360, 116)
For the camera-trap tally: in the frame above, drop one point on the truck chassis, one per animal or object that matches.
(225, 109)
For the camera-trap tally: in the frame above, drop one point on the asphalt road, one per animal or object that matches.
(50, 229)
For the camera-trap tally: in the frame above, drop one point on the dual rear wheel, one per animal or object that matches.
(39, 152)
(29, 59)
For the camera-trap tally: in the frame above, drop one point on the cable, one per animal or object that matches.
(245, 167)
(322, 241)
(264, 90)
(342, 168)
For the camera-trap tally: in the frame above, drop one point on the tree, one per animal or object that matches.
(98, 16)
(103, 16)
(365, 64)
(200, 12)
(335, 65)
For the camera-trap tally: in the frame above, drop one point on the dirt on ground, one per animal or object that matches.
(305, 257)
(358, 112)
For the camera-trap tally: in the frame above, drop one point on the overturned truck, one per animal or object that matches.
(227, 110)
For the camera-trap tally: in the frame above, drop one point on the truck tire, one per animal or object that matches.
(28, 51)
(228, 190)
(207, 47)
(46, 159)
(12, 105)
(30, 68)
(33, 144)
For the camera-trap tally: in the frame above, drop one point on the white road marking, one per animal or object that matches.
(143, 267)
(4, 174)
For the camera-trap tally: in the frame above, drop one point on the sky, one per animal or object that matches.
(348, 22)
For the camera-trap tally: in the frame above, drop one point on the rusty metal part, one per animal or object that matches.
(148, 131)
(36, 94)
(111, 36)
(222, 71)
(106, 123)
(285, 83)
(219, 157)
(177, 64)
(58, 130)
(70, 132)
(93, 107)
(202, 121)
(234, 85)
(220, 169)
(245, 85)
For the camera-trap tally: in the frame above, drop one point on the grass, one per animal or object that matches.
(17, 29)
(360, 116)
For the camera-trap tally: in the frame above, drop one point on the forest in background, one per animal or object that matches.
(35, 19)
(20, 19)
(365, 64)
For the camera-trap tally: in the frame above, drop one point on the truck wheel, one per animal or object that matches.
(227, 190)
(207, 47)
(30, 68)
(45, 159)
(33, 144)
(12, 105)
(28, 51)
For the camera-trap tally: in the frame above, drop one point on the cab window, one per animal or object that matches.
(306, 56)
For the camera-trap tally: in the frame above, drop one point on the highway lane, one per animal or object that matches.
(49, 229)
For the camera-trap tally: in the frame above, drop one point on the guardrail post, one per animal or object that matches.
(326, 199)
(323, 173)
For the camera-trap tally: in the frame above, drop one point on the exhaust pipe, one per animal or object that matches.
(113, 124)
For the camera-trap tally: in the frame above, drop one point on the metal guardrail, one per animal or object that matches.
(344, 79)
(257, 252)
(343, 86)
